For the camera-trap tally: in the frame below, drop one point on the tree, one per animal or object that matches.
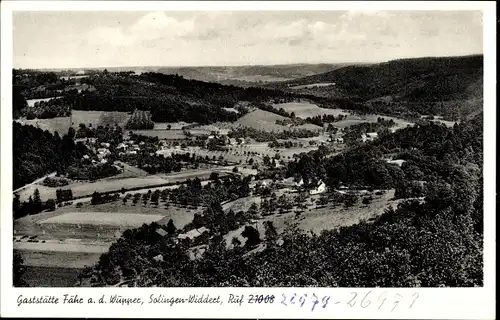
(367, 200)
(16, 203)
(51, 205)
(214, 176)
(235, 169)
(350, 201)
(271, 233)
(124, 200)
(252, 235)
(171, 229)
(18, 271)
(235, 242)
(96, 198)
(37, 202)
(123, 191)
(169, 127)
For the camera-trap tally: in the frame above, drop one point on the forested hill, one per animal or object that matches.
(168, 97)
(37, 153)
(449, 86)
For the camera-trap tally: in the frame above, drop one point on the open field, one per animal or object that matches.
(99, 118)
(103, 218)
(307, 109)
(318, 219)
(31, 226)
(68, 259)
(173, 125)
(162, 134)
(82, 189)
(31, 102)
(54, 245)
(59, 124)
(264, 121)
(50, 276)
(355, 119)
(313, 85)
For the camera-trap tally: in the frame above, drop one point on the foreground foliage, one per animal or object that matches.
(430, 243)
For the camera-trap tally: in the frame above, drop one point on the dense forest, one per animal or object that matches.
(37, 153)
(169, 98)
(431, 243)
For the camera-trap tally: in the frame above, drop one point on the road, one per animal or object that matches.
(51, 175)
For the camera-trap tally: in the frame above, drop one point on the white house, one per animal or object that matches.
(122, 146)
(86, 157)
(193, 233)
(158, 258)
(301, 182)
(369, 136)
(161, 232)
(105, 144)
(104, 161)
(398, 162)
(321, 188)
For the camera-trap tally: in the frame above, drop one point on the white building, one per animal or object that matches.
(369, 136)
(192, 234)
(398, 162)
(320, 188)
(105, 144)
(122, 146)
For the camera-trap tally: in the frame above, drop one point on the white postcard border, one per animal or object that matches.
(464, 303)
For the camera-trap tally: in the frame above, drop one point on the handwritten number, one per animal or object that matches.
(384, 297)
(292, 298)
(284, 299)
(365, 299)
(352, 302)
(325, 301)
(415, 296)
(302, 300)
(396, 301)
(315, 302)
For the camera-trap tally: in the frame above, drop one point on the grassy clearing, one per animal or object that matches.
(307, 109)
(30, 225)
(99, 118)
(354, 119)
(59, 124)
(103, 218)
(162, 134)
(325, 218)
(68, 259)
(82, 189)
(313, 85)
(173, 125)
(50, 276)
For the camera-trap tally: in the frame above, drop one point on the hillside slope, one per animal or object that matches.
(170, 98)
(443, 83)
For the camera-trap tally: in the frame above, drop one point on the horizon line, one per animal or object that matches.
(252, 65)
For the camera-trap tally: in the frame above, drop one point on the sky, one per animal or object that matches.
(212, 38)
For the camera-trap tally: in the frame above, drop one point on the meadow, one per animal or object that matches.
(60, 125)
(103, 218)
(162, 134)
(99, 118)
(317, 219)
(82, 189)
(307, 109)
(50, 276)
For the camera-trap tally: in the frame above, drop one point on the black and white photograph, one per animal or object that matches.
(301, 148)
